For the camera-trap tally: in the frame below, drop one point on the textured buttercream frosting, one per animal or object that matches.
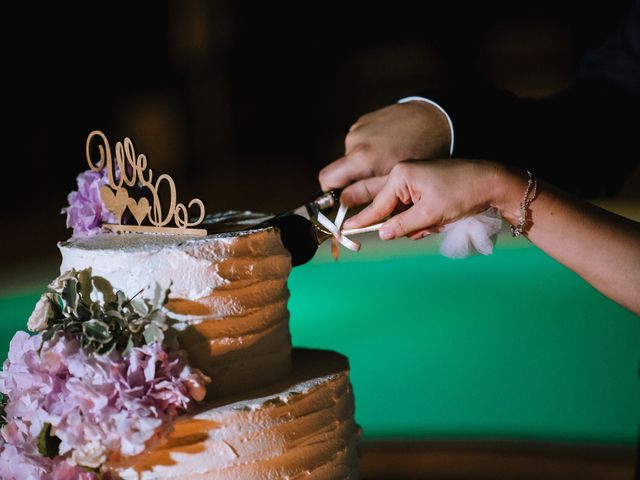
(228, 295)
(299, 427)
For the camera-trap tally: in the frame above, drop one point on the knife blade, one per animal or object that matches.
(300, 233)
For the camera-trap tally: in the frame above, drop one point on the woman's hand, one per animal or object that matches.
(601, 247)
(429, 193)
(380, 140)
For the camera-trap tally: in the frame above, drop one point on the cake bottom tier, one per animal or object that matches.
(300, 427)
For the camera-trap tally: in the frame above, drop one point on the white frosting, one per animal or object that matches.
(228, 294)
(301, 427)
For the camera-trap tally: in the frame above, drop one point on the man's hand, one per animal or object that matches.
(428, 194)
(380, 140)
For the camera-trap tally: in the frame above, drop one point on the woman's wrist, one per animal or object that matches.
(509, 188)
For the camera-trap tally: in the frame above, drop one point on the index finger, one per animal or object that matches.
(340, 173)
(382, 206)
(362, 191)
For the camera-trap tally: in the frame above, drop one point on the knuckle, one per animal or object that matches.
(423, 213)
(324, 175)
(361, 155)
(400, 169)
(363, 119)
(366, 191)
(356, 126)
(353, 138)
(400, 225)
(330, 176)
(380, 167)
(347, 197)
(426, 214)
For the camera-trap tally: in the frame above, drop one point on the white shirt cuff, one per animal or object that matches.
(431, 102)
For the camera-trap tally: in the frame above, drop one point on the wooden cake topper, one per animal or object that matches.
(131, 171)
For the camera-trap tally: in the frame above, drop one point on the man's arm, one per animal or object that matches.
(584, 139)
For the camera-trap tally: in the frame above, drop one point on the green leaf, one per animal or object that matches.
(95, 310)
(139, 307)
(152, 333)
(113, 313)
(85, 285)
(96, 331)
(122, 299)
(96, 471)
(135, 325)
(48, 444)
(83, 311)
(104, 290)
(129, 346)
(70, 293)
(160, 297)
(50, 332)
(107, 348)
(110, 321)
(3, 404)
(159, 317)
(55, 308)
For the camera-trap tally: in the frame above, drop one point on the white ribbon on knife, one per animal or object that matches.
(335, 228)
(462, 238)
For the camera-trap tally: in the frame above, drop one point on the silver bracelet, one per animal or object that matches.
(529, 195)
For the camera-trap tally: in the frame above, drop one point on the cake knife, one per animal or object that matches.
(300, 231)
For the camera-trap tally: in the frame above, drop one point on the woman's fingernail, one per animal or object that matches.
(386, 233)
(426, 233)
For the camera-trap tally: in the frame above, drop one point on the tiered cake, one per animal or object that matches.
(270, 413)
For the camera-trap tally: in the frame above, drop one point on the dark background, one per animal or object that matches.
(243, 102)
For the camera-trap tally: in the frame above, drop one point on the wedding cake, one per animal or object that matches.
(164, 352)
(269, 414)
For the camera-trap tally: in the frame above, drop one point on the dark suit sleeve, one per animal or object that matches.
(585, 139)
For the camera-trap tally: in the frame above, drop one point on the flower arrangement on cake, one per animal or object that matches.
(101, 379)
(86, 211)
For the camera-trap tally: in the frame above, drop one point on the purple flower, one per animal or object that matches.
(101, 407)
(63, 470)
(86, 211)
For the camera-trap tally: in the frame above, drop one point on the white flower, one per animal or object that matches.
(41, 314)
(91, 454)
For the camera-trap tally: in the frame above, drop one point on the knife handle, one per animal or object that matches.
(323, 201)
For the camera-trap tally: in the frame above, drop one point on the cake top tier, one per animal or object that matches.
(136, 242)
(191, 267)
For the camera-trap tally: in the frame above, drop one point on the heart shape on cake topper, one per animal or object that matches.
(139, 209)
(126, 169)
(115, 203)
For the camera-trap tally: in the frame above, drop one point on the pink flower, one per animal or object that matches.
(98, 406)
(86, 211)
(15, 464)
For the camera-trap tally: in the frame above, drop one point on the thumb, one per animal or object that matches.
(406, 223)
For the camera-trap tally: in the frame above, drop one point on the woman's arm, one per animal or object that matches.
(601, 247)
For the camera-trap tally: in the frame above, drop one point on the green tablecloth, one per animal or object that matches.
(513, 345)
